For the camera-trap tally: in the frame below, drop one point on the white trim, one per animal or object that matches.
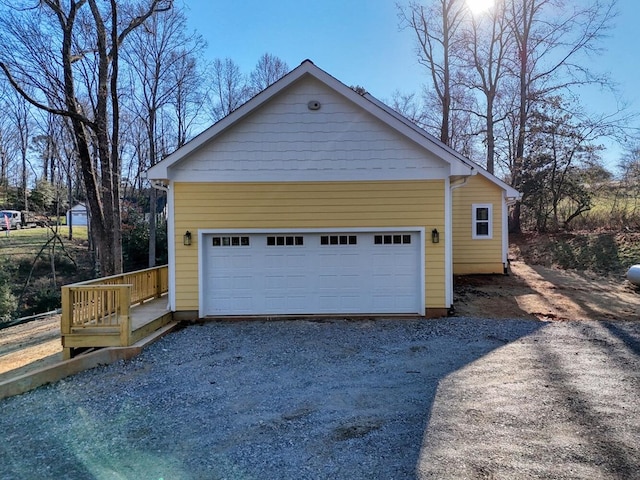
(448, 244)
(201, 234)
(171, 246)
(263, 176)
(505, 232)
(474, 221)
(423, 270)
(209, 231)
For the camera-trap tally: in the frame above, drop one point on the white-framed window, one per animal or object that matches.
(482, 213)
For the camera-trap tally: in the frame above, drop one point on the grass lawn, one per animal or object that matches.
(28, 242)
(31, 278)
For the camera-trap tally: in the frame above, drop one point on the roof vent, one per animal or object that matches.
(313, 105)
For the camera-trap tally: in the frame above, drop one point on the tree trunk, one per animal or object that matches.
(491, 139)
(153, 195)
(514, 218)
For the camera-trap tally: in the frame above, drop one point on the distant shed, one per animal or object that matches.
(77, 215)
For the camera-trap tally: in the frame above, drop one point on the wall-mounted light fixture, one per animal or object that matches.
(186, 239)
(435, 236)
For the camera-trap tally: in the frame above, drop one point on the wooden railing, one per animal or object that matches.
(102, 306)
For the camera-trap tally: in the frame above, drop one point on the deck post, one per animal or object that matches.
(67, 311)
(124, 318)
(157, 278)
(65, 320)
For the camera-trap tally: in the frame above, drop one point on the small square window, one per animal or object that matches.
(353, 240)
(406, 239)
(397, 239)
(226, 241)
(289, 241)
(299, 240)
(333, 239)
(344, 240)
(324, 240)
(279, 241)
(377, 239)
(216, 241)
(388, 239)
(235, 241)
(244, 241)
(271, 241)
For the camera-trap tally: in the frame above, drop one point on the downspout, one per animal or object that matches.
(159, 185)
(460, 182)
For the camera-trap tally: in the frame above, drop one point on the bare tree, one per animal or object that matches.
(486, 49)
(21, 119)
(80, 39)
(437, 28)
(409, 106)
(229, 88)
(189, 97)
(268, 70)
(158, 55)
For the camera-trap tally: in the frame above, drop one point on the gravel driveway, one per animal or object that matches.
(337, 399)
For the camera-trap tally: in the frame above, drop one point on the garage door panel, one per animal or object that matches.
(313, 273)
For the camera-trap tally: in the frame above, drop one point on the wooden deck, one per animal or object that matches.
(115, 311)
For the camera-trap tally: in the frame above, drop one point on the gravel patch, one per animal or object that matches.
(338, 399)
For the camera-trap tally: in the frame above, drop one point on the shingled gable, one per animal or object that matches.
(459, 166)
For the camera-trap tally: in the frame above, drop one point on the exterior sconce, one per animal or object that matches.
(186, 239)
(435, 236)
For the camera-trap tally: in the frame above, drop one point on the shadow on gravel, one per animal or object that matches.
(558, 403)
(632, 342)
(590, 412)
(288, 400)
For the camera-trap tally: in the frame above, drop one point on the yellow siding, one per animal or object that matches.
(476, 255)
(306, 205)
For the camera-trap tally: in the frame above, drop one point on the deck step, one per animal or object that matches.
(95, 331)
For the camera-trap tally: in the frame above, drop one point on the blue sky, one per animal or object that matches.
(359, 42)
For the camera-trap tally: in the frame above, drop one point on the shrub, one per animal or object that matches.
(42, 297)
(135, 241)
(8, 301)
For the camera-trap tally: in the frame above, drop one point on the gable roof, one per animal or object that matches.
(459, 165)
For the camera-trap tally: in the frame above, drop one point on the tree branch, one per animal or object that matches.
(41, 106)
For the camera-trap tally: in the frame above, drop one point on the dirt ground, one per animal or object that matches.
(29, 346)
(534, 291)
(547, 293)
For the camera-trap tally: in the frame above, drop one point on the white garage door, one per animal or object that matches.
(311, 273)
